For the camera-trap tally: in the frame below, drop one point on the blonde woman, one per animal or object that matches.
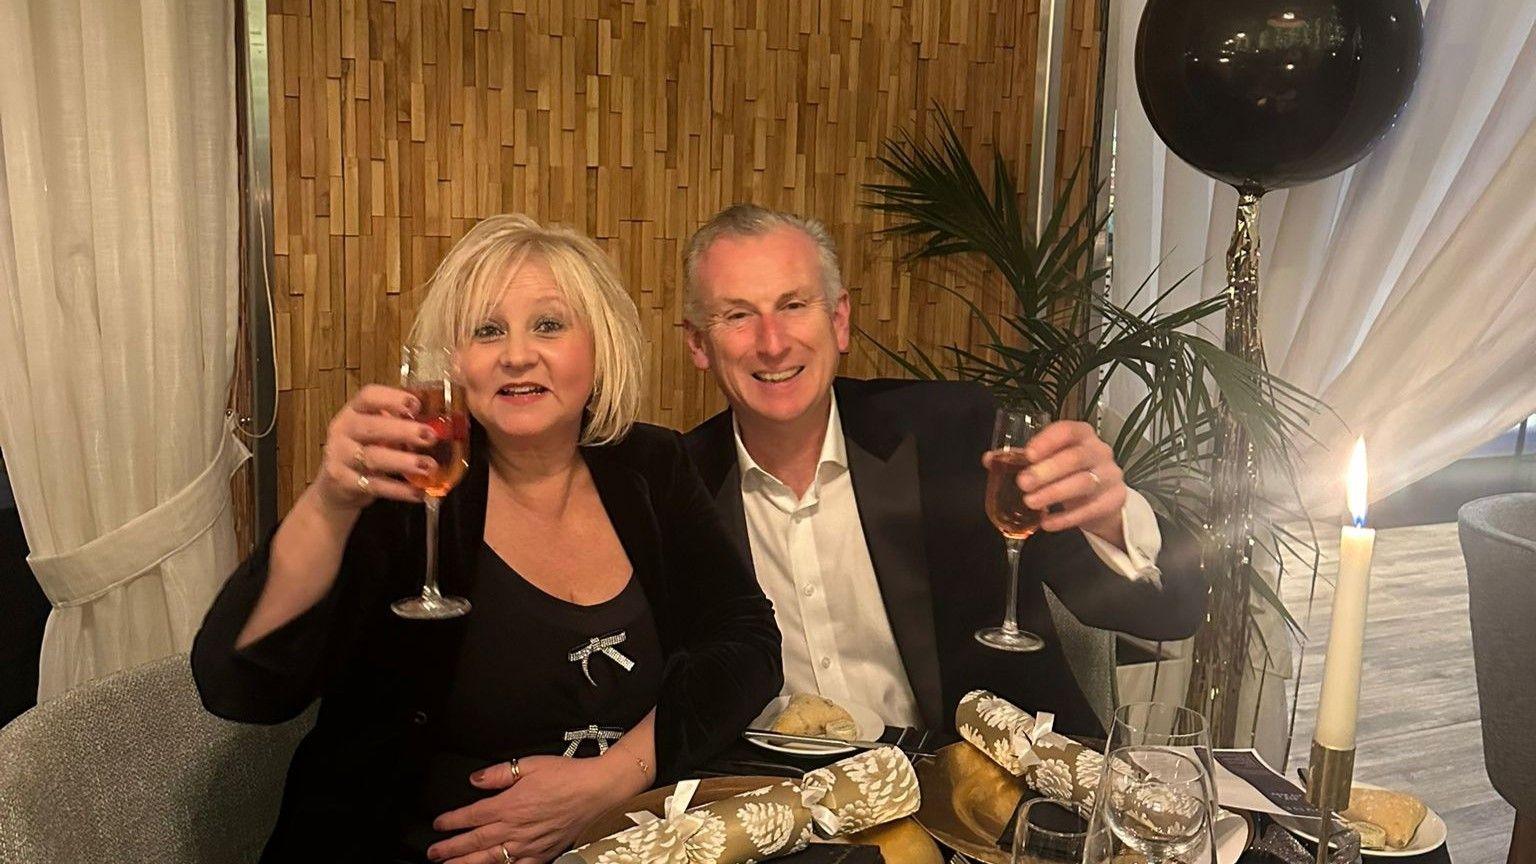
(616, 638)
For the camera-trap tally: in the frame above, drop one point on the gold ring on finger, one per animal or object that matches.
(1097, 483)
(506, 856)
(360, 460)
(364, 484)
(517, 773)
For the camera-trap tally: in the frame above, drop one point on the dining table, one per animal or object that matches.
(743, 758)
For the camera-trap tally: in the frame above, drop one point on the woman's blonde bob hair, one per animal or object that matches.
(470, 281)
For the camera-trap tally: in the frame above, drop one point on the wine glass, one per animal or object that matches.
(1049, 830)
(1157, 801)
(1160, 724)
(431, 375)
(1014, 426)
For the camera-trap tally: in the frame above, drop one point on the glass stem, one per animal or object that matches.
(1011, 611)
(429, 587)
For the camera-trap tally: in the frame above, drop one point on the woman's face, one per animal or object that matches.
(528, 367)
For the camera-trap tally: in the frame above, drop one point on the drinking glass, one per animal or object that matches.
(1050, 830)
(1157, 802)
(1160, 724)
(431, 375)
(1014, 426)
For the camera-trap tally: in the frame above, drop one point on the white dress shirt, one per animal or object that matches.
(812, 562)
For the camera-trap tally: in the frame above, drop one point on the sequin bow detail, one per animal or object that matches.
(601, 645)
(591, 733)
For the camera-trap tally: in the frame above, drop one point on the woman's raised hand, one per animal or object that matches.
(370, 446)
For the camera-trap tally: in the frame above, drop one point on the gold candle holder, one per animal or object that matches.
(1330, 775)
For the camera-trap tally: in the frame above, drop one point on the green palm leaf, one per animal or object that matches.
(1062, 335)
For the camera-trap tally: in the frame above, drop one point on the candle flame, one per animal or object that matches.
(1356, 486)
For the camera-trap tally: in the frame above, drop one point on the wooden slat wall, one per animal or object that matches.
(396, 125)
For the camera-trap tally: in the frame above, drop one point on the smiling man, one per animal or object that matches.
(860, 503)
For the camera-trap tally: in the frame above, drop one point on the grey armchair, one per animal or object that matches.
(1498, 539)
(131, 768)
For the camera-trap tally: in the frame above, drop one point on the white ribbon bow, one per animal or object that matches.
(601, 645)
(814, 790)
(591, 733)
(1024, 738)
(676, 824)
(675, 810)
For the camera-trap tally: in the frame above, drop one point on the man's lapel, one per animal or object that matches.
(886, 485)
(713, 447)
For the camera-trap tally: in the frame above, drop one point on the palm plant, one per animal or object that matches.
(1064, 340)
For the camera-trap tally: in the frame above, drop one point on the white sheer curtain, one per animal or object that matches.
(118, 293)
(1402, 291)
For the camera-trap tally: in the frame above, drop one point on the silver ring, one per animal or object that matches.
(363, 483)
(517, 773)
(506, 856)
(1096, 481)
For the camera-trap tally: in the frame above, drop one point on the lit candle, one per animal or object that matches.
(1338, 707)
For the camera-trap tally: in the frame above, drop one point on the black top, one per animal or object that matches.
(914, 455)
(485, 718)
(394, 693)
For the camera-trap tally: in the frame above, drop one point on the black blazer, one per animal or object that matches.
(382, 680)
(914, 453)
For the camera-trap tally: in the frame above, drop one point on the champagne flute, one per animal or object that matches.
(1050, 830)
(1014, 426)
(431, 375)
(1157, 801)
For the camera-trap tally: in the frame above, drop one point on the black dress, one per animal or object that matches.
(594, 671)
(409, 708)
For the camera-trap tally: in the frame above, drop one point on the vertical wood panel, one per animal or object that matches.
(397, 125)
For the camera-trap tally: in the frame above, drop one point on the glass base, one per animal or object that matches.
(1020, 641)
(426, 607)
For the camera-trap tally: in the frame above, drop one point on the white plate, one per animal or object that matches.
(1233, 834)
(870, 728)
(1431, 833)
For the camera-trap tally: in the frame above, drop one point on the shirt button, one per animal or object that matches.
(809, 590)
(826, 662)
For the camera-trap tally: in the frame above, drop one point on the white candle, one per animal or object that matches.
(1338, 707)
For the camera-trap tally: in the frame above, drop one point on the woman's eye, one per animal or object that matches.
(548, 325)
(487, 331)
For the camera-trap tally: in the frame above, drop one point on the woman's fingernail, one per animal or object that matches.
(424, 465)
(477, 776)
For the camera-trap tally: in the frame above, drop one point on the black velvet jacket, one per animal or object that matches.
(382, 680)
(914, 453)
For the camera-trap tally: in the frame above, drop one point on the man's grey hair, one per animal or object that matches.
(751, 220)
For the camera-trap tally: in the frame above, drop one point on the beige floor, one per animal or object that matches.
(1418, 702)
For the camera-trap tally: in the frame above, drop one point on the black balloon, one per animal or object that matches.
(1265, 94)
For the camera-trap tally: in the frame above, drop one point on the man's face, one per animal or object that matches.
(767, 333)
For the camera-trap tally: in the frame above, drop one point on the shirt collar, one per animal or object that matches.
(834, 448)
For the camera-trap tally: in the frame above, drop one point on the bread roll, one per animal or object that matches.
(1396, 814)
(810, 714)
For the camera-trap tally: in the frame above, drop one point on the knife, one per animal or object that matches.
(772, 737)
